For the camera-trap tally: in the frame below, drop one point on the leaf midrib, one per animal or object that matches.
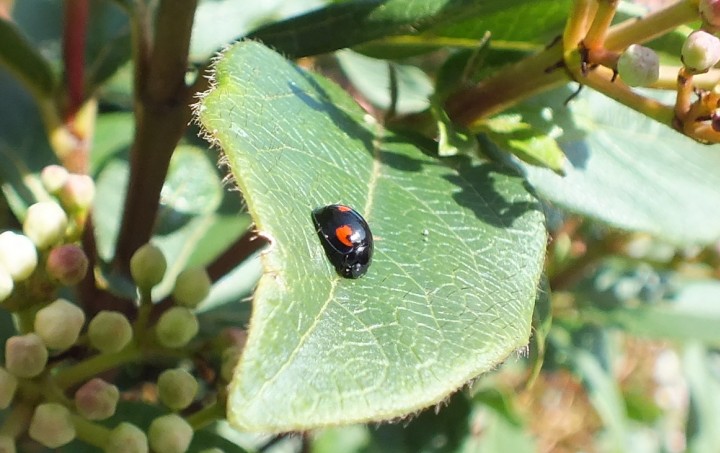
(372, 184)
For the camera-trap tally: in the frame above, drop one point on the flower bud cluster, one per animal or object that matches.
(76, 192)
(33, 263)
(43, 257)
(701, 50)
(48, 229)
(177, 325)
(640, 66)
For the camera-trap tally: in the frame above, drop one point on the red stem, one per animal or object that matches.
(245, 246)
(75, 33)
(162, 112)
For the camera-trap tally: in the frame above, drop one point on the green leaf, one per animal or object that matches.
(40, 22)
(452, 140)
(355, 22)
(22, 59)
(190, 196)
(197, 220)
(348, 439)
(458, 255)
(692, 314)
(502, 431)
(542, 324)
(192, 186)
(34, 56)
(24, 148)
(110, 184)
(514, 25)
(206, 439)
(700, 369)
(605, 397)
(642, 407)
(219, 22)
(500, 402)
(372, 78)
(520, 25)
(433, 430)
(592, 364)
(108, 164)
(111, 139)
(109, 42)
(107, 46)
(629, 171)
(513, 135)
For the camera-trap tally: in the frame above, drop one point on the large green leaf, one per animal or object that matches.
(107, 45)
(218, 22)
(109, 42)
(691, 314)
(355, 22)
(24, 61)
(510, 132)
(24, 147)
(519, 25)
(372, 77)
(605, 396)
(458, 255)
(629, 171)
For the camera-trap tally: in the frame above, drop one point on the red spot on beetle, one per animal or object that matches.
(343, 233)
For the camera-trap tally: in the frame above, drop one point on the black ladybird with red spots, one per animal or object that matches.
(346, 238)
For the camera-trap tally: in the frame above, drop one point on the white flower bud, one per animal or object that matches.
(700, 52)
(18, 255)
(45, 224)
(638, 66)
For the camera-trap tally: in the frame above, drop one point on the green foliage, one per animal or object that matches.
(603, 142)
(544, 277)
(21, 58)
(434, 336)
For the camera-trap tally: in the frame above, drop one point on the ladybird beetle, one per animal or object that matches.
(346, 238)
